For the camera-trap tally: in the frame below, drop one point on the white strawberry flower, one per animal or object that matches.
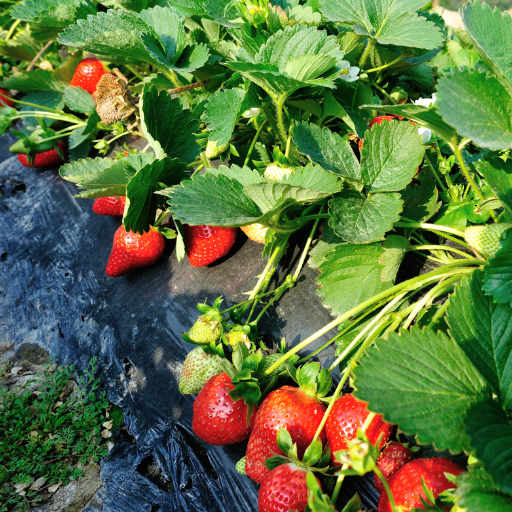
(350, 74)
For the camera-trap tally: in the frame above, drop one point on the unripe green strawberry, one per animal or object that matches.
(270, 360)
(485, 239)
(276, 172)
(240, 466)
(197, 369)
(205, 331)
(213, 151)
(236, 337)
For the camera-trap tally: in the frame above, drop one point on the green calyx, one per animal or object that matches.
(35, 142)
(313, 380)
(316, 457)
(361, 456)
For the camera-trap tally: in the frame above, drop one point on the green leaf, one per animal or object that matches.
(48, 18)
(491, 33)
(392, 22)
(327, 149)
(223, 110)
(390, 156)
(159, 80)
(293, 58)
(79, 100)
(243, 175)
(476, 492)
(189, 8)
(167, 126)
(395, 248)
(140, 191)
(87, 132)
(332, 108)
(315, 178)
(227, 203)
(313, 453)
(498, 273)
(360, 219)
(498, 174)
(477, 106)
(427, 117)
(102, 177)
(421, 201)
(483, 329)
(422, 381)
(270, 195)
(21, 47)
(352, 274)
(490, 432)
(324, 246)
(34, 80)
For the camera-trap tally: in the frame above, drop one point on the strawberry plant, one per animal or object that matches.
(372, 127)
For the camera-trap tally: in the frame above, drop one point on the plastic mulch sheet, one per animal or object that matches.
(54, 292)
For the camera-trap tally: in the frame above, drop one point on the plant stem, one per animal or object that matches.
(355, 341)
(11, 30)
(366, 53)
(409, 285)
(41, 51)
(430, 227)
(384, 66)
(280, 120)
(334, 397)
(378, 472)
(439, 247)
(272, 121)
(254, 140)
(438, 179)
(384, 93)
(135, 72)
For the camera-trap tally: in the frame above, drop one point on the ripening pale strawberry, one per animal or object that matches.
(284, 489)
(236, 337)
(198, 368)
(213, 151)
(217, 419)
(347, 417)
(255, 232)
(5, 100)
(50, 158)
(205, 331)
(207, 244)
(87, 74)
(485, 239)
(392, 458)
(131, 250)
(276, 172)
(113, 205)
(406, 484)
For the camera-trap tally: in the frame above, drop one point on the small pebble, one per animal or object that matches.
(109, 424)
(38, 484)
(53, 487)
(106, 434)
(16, 369)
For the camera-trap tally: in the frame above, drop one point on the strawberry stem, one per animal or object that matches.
(382, 478)
(430, 227)
(254, 140)
(419, 248)
(409, 285)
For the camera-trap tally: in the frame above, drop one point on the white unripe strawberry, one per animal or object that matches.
(485, 239)
(276, 172)
(213, 151)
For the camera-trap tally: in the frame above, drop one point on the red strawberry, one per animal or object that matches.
(113, 205)
(393, 457)
(217, 419)
(284, 489)
(286, 407)
(206, 244)
(347, 417)
(131, 250)
(5, 100)
(406, 484)
(88, 73)
(45, 159)
(378, 120)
